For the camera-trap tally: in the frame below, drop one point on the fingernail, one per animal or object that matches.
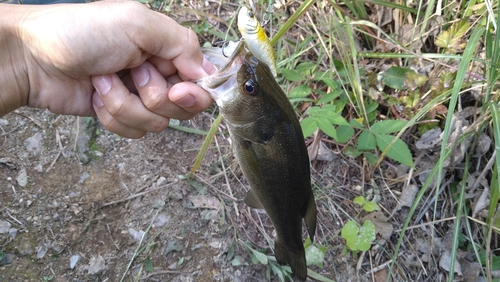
(141, 76)
(186, 101)
(102, 83)
(97, 100)
(208, 66)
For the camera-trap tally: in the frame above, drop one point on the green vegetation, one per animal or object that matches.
(369, 80)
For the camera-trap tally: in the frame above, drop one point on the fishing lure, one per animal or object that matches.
(256, 38)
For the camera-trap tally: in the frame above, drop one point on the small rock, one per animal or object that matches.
(41, 252)
(4, 226)
(22, 178)
(73, 260)
(96, 265)
(161, 220)
(162, 180)
(34, 143)
(24, 247)
(137, 235)
(83, 177)
(13, 233)
(4, 122)
(7, 259)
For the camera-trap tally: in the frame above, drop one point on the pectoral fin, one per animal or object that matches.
(252, 201)
(309, 214)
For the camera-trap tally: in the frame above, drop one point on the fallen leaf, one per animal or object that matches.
(408, 196)
(381, 275)
(481, 203)
(445, 262)
(470, 270)
(205, 202)
(429, 139)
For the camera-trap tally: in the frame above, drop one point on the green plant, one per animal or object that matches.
(360, 237)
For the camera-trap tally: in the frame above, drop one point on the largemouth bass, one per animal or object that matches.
(269, 146)
(257, 41)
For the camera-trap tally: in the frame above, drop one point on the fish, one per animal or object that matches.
(269, 145)
(257, 41)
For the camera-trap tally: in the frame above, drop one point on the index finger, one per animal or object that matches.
(163, 37)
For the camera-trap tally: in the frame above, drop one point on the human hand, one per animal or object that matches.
(90, 59)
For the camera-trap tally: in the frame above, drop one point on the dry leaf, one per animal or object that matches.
(408, 196)
(445, 262)
(481, 203)
(429, 139)
(470, 270)
(205, 202)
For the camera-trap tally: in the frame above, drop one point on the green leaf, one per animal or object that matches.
(388, 126)
(237, 261)
(366, 141)
(349, 230)
(370, 206)
(314, 256)
(399, 151)
(350, 151)
(326, 126)
(360, 200)
(262, 258)
(329, 97)
(305, 68)
(358, 239)
(371, 107)
(371, 157)
(356, 124)
(309, 125)
(344, 133)
(332, 83)
(300, 91)
(395, 77)
(292, 75)
(148, 265)
(334, 117)
(366, 236)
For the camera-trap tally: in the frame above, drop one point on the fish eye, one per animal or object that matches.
(250, 14)
(250, 87)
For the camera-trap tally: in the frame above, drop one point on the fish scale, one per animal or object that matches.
(269, 146)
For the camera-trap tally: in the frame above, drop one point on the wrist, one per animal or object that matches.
(13, 74)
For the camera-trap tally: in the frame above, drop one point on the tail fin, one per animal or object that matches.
(296, 260)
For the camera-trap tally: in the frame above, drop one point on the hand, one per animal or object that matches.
(90, 59)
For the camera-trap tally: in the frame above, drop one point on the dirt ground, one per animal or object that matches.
(79, 219)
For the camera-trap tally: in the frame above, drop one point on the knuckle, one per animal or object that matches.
(115, 108)
(153, 102)
(159, 126)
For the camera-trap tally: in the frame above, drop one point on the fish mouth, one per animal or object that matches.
(227, 66)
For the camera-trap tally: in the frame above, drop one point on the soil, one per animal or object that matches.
(89, 196)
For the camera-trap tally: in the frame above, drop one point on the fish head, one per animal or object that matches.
(241, 88)
(247, 22)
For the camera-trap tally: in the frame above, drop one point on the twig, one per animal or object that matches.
(8, 213)
(227, 179)
(138, 194)
(61, 149)
(162, 272)
(113, 239)
(213, 187)
(382, 266)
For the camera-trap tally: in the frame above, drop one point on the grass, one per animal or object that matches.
(356, 69)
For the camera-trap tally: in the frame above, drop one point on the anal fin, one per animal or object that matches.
(309, 214)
